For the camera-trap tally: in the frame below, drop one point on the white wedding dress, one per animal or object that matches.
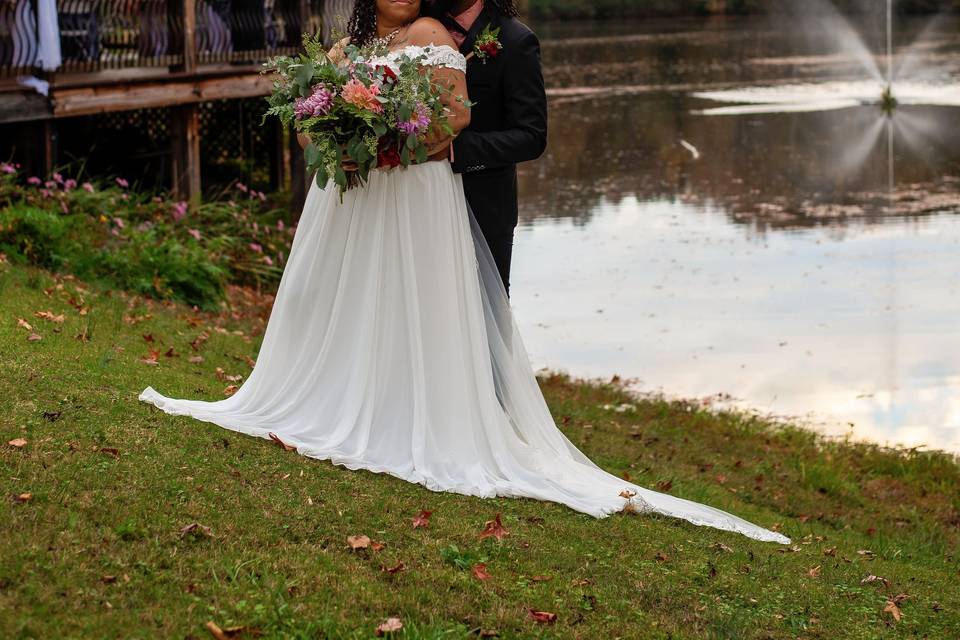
(391, 347)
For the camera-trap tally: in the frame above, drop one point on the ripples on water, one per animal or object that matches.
(759, 255)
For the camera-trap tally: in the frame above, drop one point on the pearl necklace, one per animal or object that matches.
(383, 43)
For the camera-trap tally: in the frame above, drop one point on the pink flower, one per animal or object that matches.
(119, 222)
(256, 247)
(46, 193)
(262, 196)
(50, 184)
(279, 225)
(317, 104)
(87, 187)
(241, 187)
(58, 178)
(70, 184)
(194, 233)
(34, 180)
(362, 96)
(418, 123)
(179, 211)
(122, 183)
(268, 261)
(6, 167)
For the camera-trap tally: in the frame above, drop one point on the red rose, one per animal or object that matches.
(388, 73)
(491, 49)
(388, 156)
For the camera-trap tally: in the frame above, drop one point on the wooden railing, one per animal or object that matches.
(97, 35)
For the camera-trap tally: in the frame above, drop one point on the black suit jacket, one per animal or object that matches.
(508, 122)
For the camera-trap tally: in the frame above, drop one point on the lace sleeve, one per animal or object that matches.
(444, 56)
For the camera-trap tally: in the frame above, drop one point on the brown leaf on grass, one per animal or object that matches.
(397, 568)
(151, 358)
(721, 479)
(831, 552)
(23, 497)
(422, 519)
(626, 494)
(197, 530)
(24, 324)
(866, 553)
(230, 390)
(83, 336)
(108, 579)
(197, 342)
(52, 416)
(18, 443)
(216, 631)
(377, 546)
(494, 528)
(110, 451)
(195, 359)
(33, 337)
(719, 546)
(170, 353)
(814, 572)
(581, 582)
(893, 606)
(873, 578)
(49, 315)
(358, 542)
(661, 557)
(664, 486)
(544, 617)
(147, 337)
(390, 625)
(286, 447)
(480, 571)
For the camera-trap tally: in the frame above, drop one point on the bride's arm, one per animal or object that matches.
(427, 31)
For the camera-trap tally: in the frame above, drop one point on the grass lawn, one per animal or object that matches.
(96, 502)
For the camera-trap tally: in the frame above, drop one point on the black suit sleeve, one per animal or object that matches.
(524, 136)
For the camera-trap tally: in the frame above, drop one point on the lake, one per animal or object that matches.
(800, 264)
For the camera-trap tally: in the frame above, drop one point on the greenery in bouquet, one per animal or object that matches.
(371, 114)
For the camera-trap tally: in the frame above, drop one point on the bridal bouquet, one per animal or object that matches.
(372, 115)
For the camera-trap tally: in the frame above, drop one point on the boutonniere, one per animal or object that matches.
(487, 44)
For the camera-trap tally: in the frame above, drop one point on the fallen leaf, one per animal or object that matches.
(893, 609)
(23, 323)
(110, 451)
(18, 443)
(582, 582)
(49, 315)
(543, 616)
(23, 497)
(480, 571)
(719, 546)
(230, 390)
(170, 353)
(151, 358)
(358, 542)
(195, 359)
(377, 546)
(33, 337)
(286, 447)
(494, 528)
(814, 572)
(832, 552)
(197, 530)
(626, 494)
(397, 568)
(199, 340)
(216, 631)
(665, 486)
(661, 557)
(873, 578)
(147, 337)
(108, 579)
(422, 519)
(389, 626)
(52, 416)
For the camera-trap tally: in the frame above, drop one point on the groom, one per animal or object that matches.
(509, 118)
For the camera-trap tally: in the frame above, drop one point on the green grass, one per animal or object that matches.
(97, 551)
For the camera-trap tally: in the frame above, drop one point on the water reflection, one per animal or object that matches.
(761, 255)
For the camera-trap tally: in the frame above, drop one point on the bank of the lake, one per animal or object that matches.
(101, 493)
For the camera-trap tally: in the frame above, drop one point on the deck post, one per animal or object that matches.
(186, 153)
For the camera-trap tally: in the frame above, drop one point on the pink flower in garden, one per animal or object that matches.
(34, 180)
(122, 183)
(279, 225)
(46, 193)
(179, 211)
(316, 104)
(87, 187)
(50, 184)
(64, 207)
(418, 122)
(362, 96)
(268, 261)
(255, 227)
(256, 247)
(241, 187)
(119, 222)
(70, 184)
(6, 167)
(58, 178)
(262, 196)
(194, 233)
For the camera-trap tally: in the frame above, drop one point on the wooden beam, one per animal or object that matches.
(190, 35)
(186, 153)
(298, 178)
(82, 101)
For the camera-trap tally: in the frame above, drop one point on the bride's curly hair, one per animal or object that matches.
(437, 8)
(362, 27)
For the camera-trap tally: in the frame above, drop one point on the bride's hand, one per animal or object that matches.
(303, 139)
(346, 162)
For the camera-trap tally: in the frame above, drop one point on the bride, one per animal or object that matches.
(391, 346)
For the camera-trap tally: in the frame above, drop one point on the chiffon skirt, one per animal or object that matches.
(391, 347)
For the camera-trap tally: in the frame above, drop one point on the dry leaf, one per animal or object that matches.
(108, 579)
(814, 572)
(873, 578)
(396, 568)
(582, 582)
(195, 359)
(661, 557)
(196, 529)
(230, 390)
(494, 528)
(216, 631)
(286, 447)
(18, 443)
(391, 625)
(422, 519)
(110, 451)
(893, 610)
(358, 542)
(148, 337)
(543, 616)
(626, 494)
(23, 323)
(170, 353)
(23, 497)
(719, 546)
(480, 571)
(832, 552)
(33, 337)
(49, 315)
(665, 486)
(377, 546)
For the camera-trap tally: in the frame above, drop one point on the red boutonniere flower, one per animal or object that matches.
(487, 44)
(387, 156)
